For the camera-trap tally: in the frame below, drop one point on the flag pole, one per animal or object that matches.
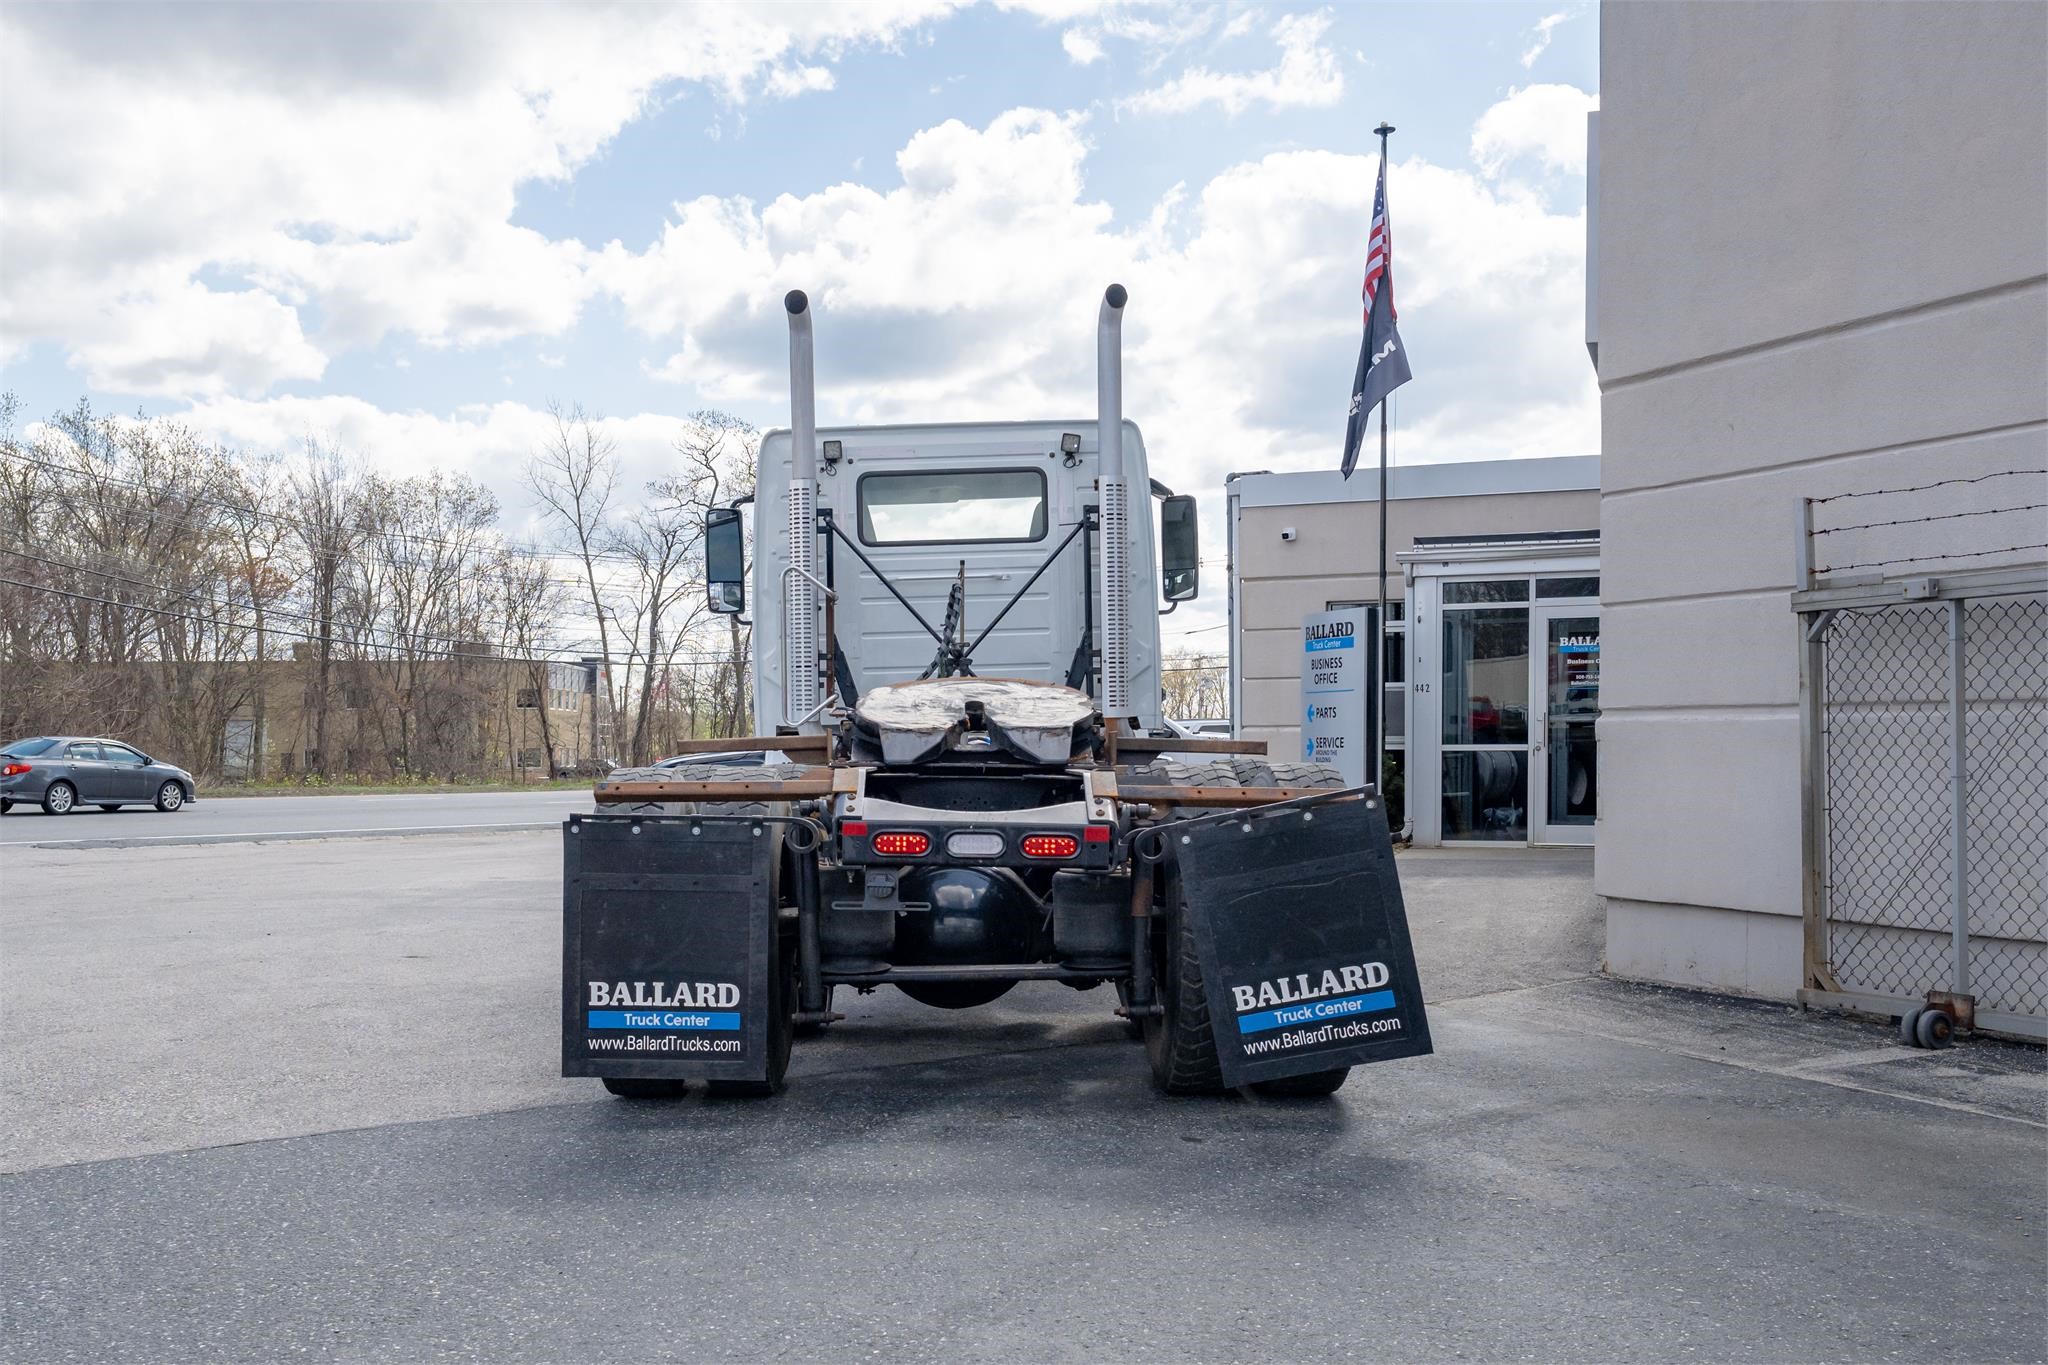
(1378, 670)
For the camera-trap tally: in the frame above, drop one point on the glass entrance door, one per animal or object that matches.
(1484, 696)
(1564, 791)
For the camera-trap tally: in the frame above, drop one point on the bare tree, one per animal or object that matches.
(658, 542)
(573, 475)
(1196, 685)
(529, 602)
(259, 537)
(720, 455)
(326, 518)
(149, 580)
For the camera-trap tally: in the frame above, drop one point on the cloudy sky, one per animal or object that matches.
(409, 228)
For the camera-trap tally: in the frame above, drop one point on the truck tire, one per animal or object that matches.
(700, 772)
(1180, 1043)
(1234, 772)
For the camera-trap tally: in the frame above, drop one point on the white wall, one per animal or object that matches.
(1822, 267)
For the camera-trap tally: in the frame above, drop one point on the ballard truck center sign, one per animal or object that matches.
(1339, 691)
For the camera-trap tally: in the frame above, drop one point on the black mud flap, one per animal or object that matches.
(1304, 946)
(667, 938)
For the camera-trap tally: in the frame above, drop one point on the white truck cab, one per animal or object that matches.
(998, 549)
(924, 505)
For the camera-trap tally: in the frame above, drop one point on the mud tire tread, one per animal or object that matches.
(1184, 1059)
(700, 772)
(1235, 772)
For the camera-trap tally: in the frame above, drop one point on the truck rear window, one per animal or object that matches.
(952, 506)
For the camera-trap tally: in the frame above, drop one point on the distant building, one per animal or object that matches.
(388, 717)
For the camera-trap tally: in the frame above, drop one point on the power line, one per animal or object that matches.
(693, 659)
(286, 612)
(512, 547)
(189, 517)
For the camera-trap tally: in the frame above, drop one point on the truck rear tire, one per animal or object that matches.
(701, 772)
(1180, 1042)
(1234, 772)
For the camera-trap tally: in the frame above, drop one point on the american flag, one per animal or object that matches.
(1377, 251)
(1382, 359)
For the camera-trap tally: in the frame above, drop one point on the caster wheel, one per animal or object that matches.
(1934, 1028)
(1908, 1022)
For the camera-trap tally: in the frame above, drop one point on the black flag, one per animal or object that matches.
(1382, 359)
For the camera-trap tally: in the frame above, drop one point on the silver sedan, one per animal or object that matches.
(63, 772)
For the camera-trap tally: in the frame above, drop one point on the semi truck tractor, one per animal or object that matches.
(970, 785)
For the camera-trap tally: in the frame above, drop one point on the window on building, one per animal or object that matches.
(1584, 586)
(1491, 590)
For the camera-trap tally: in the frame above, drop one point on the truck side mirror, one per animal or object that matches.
(725, 560)
(1180, 549)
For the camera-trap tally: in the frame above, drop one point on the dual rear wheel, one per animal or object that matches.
(1180, 1042)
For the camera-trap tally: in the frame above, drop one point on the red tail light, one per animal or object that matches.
(853, 829)
(13, 769)
(1096, 834)
(1051, 845)
(901, 843)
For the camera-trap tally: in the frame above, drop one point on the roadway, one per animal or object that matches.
(247, 819)
(300, 1099)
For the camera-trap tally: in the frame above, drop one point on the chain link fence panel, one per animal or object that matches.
(1889, 800)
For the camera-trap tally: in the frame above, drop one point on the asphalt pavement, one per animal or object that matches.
(298, 1100)
(247, 819)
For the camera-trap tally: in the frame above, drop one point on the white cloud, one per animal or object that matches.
(968, 291)
(787, 82)
(1539, 37)
(1547, 122)
(490, 442)
(369, 168)
(184, 339)
(1308, 74)
(1081, 47)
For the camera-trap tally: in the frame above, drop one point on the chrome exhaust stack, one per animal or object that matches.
(799, 596)
(1116, 511)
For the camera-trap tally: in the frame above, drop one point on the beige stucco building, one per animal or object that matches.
(1818, 266)
(1492, 672)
